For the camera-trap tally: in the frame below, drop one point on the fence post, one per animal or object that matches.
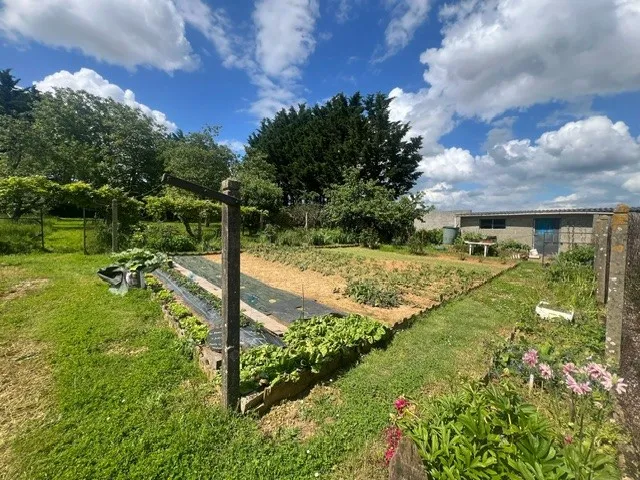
(231, 297)
(84, 230)
(617, 278)
(42, 227)
(601, 242)
(114, 225)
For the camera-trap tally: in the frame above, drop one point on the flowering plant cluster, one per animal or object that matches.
(393, 433)
(579, 380)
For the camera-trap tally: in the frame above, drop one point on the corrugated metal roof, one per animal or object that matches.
(551, 211)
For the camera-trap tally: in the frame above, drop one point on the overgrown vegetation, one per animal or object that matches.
(559, 367)
(310, 344)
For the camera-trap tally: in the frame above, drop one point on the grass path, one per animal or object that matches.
(119, 398)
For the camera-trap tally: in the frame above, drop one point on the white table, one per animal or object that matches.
(486, 246)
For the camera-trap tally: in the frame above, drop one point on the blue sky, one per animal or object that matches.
(521, 103)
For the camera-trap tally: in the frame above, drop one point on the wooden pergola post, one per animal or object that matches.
(230, 199)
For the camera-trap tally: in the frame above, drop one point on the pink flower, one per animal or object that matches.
(530, 357)
(569, 368)
(568, 439)
(596, 371)
(545, 371)
(613, 382)
(401, 403)
(579, 388)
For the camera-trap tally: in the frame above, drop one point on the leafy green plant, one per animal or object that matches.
(138, 259)
(163, 237)
(310, 344)
(371, 292)
(487, 432)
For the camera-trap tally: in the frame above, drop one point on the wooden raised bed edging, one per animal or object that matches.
(260, 402)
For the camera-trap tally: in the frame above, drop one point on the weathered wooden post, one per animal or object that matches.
(231, 296)
(230, 199)
(114, 225)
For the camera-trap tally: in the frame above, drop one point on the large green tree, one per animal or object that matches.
(197, 157)
(79, 136)
(15, 101)
(258, 182)
(312, 147)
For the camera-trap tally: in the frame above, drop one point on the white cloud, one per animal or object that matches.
(406, 17)
(284, 35)
(595, 158)
(121, 32)
(235, 146)
(501, 54)
(429, 117)
(633, 184)
(90, 81)
(452, 165)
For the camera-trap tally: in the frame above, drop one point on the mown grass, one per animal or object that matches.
(127, 403)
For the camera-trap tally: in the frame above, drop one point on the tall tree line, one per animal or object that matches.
(312, 148)
(70, 136)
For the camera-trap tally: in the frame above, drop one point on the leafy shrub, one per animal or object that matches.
(370, 292)
(512, 245)
(310, 344)
(490, 432)
(369, 238)
(313, 236)
(579, 255)
(163, 237)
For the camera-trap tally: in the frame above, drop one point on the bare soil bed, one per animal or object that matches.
(328, 288)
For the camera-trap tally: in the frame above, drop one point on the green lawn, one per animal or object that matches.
(118, 397)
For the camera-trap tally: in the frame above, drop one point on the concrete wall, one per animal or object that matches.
(439, 219)
(519, 228)
(574, 229)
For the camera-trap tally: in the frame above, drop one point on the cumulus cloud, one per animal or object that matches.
(452, 165)
(90, 81)
(565, 50)
(596, 158)
(428, 116)
(633, 184)
(407, 16)
(284, 35)
(121, 32)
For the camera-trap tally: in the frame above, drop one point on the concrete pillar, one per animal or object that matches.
(630, 341)
(617, 273)
(601, 242)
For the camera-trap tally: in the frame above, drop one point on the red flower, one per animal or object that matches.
(388, 455)
(401, 403)
(568, 440)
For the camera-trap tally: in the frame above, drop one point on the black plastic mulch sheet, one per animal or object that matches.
(282, 305)
(250, 336)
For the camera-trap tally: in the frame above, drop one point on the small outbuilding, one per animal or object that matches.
(548, 231)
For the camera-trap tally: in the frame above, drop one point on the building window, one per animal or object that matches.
(493, 223)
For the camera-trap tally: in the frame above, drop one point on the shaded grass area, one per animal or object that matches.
(127, 403)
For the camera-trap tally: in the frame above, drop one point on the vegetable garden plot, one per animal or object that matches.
(285, 306)
(388, 290)
(251, 335)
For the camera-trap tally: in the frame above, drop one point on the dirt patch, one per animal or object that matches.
(292, 418)
(324, 289)
(23, 288)
(288, 419)
(25, 386)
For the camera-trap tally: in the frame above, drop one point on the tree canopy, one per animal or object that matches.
(198, 158)
(311, 147)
